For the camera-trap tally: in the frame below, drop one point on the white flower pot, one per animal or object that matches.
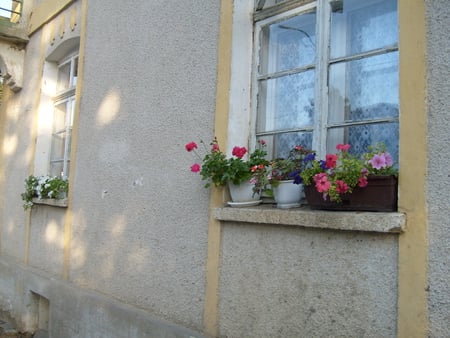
(287, 194)
(243, 193)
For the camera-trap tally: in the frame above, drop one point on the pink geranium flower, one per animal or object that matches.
(343, 147)
(378, 161)
(322, 184)
(195, 168)
(191, 146)
(388, 159)
(215, 148)
(362, 181)
(341, 187)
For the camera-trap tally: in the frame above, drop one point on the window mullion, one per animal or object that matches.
(321, 91)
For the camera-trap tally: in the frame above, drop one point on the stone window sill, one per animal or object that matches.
(61, 203)
(384, 222)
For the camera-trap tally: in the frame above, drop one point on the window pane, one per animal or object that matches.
(75, 72)
(362, 136)
(63, 77)
(279, 145)
(286, 102)
(288, 44)
(360, 26)
(364, 89)
(56, 169)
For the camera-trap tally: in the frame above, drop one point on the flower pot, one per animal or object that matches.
(287, 194)
(243, 193)
(380, 194)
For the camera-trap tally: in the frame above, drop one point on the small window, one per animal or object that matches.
(326, 72)
(10, 10)
(64, 106)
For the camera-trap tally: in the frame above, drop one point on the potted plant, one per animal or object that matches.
(44, 187)
(346, 182)
(237, 172)
(285, 178)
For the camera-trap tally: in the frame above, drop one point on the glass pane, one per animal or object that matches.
(279, 145)
(63, 77)
(56, 169)
(360, 26)
(364, 89)
(58, 143)
(286, 102)
(59, 117)
(75, 72)
(362, 136)
(288, 44)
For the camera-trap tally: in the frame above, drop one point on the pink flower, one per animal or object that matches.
(191, 146)
(322, 183)
(388, 159)
(343, 147)
(195, 168)
(331, 161)
(341, 187)
(378, 161)
(319, 176)
(298, 147)
(262, 142)
(215, 148)
(239, 152)
(362, 181)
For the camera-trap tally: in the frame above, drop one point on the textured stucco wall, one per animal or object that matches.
(438, 101)
(298, 282)
(139, 230)
(17, 153)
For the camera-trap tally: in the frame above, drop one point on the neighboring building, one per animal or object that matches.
(109, 96)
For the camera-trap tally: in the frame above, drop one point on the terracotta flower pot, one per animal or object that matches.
(380, 194)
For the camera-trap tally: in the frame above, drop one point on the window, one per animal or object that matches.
(64, 105)
(10, 10)
(326, 72)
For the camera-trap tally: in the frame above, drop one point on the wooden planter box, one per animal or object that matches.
(380, 194)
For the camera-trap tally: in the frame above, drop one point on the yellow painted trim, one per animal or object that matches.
(211, 314)
(44, 12)
(69, 214)
(413, 244)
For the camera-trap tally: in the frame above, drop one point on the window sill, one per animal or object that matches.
(384, 222)
(61, 203)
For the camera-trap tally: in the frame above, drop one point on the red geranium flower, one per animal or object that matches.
(191, 146)
(331, 161)
(239, 152)
(195, 168)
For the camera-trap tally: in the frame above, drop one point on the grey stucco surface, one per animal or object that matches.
(75, 312)
(148, 89)
(438, 102)
(299, 282)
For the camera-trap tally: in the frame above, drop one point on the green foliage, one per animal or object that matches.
(217, 169)
(43, 187)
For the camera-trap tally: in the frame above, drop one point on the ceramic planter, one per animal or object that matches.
(243, 193)
(380, 194)
(287, 194)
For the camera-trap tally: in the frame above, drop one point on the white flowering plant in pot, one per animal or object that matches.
(44, 187)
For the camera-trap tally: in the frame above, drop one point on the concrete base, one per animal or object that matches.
(71, 311)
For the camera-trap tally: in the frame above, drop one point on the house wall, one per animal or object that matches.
(135, 229)
(438, 102)
(140, 250)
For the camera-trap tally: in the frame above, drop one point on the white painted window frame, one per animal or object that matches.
(243, 92)
(66, 97)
